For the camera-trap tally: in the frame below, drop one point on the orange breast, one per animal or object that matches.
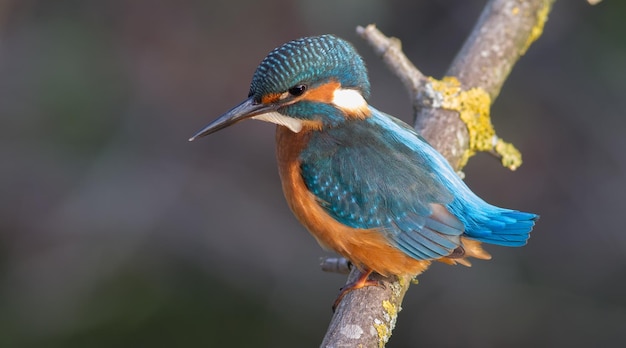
(366, 248)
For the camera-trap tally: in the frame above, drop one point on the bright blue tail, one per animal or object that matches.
(493, 225)
(505, 227)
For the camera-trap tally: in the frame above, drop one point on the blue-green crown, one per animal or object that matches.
(309, 60)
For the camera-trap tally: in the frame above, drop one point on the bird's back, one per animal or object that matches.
(378, 174)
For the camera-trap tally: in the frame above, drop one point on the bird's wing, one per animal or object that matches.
(366, 178)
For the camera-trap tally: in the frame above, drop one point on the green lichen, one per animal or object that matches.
(473, 106)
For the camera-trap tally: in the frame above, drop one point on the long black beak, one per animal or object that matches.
(248, 108)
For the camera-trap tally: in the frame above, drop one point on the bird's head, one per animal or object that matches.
(313, 82)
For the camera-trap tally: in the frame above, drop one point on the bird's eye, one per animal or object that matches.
(297, 90)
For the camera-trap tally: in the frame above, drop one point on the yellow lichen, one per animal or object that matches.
(385, 326)
(401, 282)
(383, 333)
(537, 29)
(390, 308)
(473, 106)
(511, 157)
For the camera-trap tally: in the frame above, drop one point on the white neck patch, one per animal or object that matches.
(349, 100)
(293, 124)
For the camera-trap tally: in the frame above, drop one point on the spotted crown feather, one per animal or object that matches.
(307, 59)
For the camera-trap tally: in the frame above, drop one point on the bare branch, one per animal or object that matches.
(366, 317)
(504, 31)
(390, 51)
(336, 265)
(507, 29)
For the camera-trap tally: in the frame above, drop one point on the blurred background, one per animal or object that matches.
(117, 232)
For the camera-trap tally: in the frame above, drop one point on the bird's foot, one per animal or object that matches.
(362, 282)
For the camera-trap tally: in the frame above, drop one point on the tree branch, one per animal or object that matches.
(504, 31)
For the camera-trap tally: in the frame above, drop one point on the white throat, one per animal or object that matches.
(293, 124)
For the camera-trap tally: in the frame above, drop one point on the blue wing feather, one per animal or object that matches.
(482, 221)
(419, 203)
(342, 167)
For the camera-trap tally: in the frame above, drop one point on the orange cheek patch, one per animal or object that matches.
(270, 98)
(323, 93)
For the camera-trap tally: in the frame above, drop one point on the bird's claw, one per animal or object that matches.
(362, 282)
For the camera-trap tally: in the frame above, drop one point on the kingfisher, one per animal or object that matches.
(365, 184)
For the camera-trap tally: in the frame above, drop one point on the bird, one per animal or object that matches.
(365, 184)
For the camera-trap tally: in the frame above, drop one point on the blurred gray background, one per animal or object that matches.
(117, 232)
